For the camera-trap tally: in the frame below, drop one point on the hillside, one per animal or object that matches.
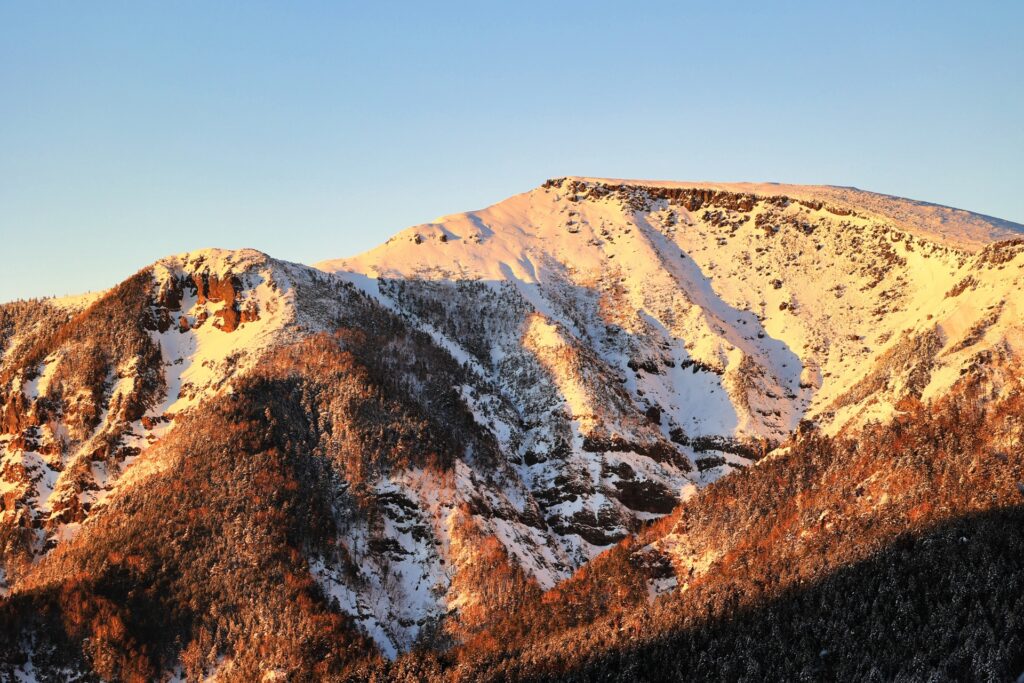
(517, 432)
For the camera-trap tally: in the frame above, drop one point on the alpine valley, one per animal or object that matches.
(601, 430)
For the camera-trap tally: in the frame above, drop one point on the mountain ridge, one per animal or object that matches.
(998, 228)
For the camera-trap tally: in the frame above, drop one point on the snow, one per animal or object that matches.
(40, 384)
(76, 302)
(26, 673)
(397, 591)
(530, 547)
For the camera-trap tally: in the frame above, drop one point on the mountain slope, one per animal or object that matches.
(892, 556)
(403, 446)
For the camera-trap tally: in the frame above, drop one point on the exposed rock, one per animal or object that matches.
(14, 414)
(646, 496)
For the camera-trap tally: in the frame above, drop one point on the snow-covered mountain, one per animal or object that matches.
(548, 374)
(736, 310)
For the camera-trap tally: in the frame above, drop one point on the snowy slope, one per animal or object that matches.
(787, 293)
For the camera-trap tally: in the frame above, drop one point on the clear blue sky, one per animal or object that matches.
(312, 130)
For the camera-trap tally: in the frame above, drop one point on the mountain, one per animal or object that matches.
(605, 394)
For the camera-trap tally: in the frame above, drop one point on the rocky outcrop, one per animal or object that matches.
(211, 288)
(14, 413)
(208, 289)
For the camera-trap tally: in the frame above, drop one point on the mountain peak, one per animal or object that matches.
(804, 283)
(216, 259)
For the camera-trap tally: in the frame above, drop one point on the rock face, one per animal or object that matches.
(206, 289)
(534, 381)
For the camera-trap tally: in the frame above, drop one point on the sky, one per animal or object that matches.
(314, 130)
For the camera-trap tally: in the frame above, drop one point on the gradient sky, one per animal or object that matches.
(309, 130)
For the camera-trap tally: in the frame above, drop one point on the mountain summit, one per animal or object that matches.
(333, 465)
